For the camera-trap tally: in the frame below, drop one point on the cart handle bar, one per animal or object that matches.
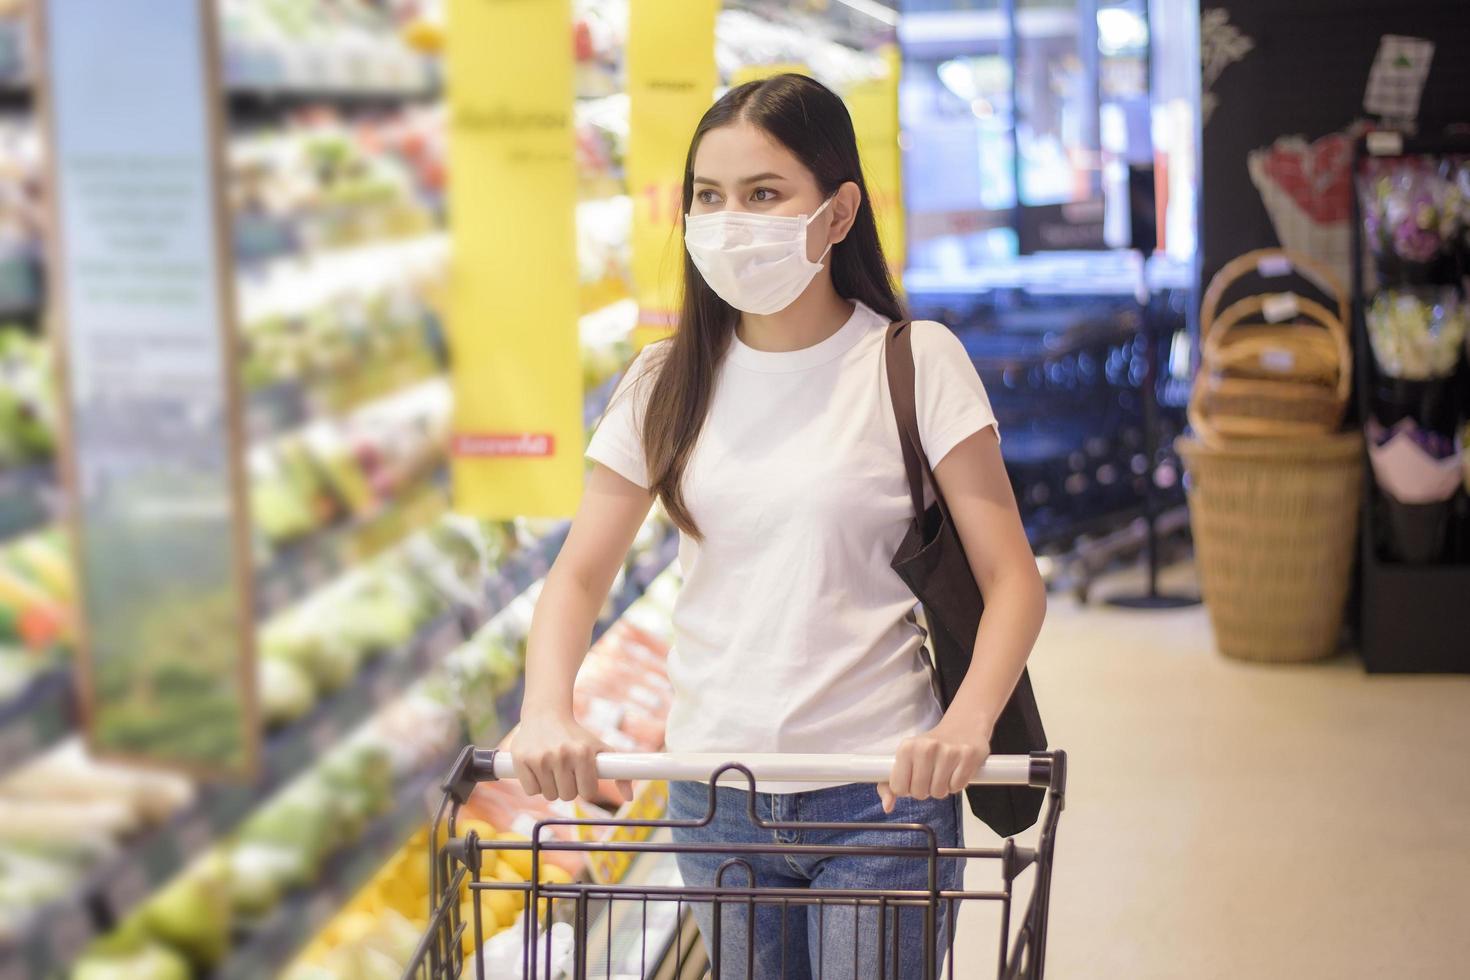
(998, 770)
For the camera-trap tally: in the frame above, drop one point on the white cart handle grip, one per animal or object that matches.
(998, 770)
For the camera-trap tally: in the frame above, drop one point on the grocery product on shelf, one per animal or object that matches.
(351, 467)
(377, 929)
(599, 38)
(780, 35)
(322, 182)
(344, 353)
(602, 144)
(322, 45)
(27, 398)
(37, 593)
(62, 814)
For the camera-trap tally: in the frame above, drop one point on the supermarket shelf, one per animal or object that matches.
(293, 285)
(119, 886)
(282, 408)
(267, 103)
(126, 882)
(41, 714)
(306, 565)
(30, 499)
(277, 942)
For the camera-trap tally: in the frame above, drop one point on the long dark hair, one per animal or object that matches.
(811, 121)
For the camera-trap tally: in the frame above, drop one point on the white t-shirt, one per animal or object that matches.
(791, 632)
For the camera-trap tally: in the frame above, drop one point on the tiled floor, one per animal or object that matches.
(1236, 820)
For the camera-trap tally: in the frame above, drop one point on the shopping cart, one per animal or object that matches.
(567, 929)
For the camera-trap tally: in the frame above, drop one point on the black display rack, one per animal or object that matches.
(1412, 617)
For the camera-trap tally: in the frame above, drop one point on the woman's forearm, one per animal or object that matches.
(1015, 606)
(561, 631)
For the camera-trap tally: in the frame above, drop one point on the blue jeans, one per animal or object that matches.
(830, 941)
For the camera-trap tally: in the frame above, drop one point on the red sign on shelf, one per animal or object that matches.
(498, 445)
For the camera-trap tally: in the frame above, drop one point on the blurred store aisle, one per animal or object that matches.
(1232, 820)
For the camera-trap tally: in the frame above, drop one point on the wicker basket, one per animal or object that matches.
(1275, 526)
(1261, 379)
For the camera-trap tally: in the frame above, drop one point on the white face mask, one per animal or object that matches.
(755, 262)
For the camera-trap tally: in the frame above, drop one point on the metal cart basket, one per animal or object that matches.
(566, 929)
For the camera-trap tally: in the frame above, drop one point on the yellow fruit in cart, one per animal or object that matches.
(354, 927)
(504, 904)
(516, 858)
(505, 871)
(400, 895)
(555, 874)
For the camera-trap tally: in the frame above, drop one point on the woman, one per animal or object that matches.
(765, 427)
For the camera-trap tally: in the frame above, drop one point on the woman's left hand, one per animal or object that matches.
(937, 763)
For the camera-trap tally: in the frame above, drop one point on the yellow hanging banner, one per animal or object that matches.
(513, 300)
(671, 82)
(873, 104)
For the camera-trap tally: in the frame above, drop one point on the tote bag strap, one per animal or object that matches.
(899, 362)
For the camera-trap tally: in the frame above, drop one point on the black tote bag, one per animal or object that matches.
(931, 561)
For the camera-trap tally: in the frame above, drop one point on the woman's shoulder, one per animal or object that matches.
(933, 340)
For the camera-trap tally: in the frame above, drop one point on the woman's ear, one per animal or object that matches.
(845, 204)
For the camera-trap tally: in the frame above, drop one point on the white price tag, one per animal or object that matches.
(1278, 359)
(1274, 266)
(1385, 143)
(1280, 307)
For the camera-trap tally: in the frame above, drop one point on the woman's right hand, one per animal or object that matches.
(557, 758)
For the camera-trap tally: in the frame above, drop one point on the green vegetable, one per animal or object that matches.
(152, 962)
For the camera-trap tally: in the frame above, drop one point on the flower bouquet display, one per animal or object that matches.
(1414, 219)
(1418, 336)
(1419, 473)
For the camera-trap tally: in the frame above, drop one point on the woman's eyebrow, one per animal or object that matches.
(758, 178)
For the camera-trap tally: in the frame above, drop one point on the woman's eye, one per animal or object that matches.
(764, 195)
(707, 197)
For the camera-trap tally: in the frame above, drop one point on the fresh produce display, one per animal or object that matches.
(22, 208)
(64, 812)
(604, 259)
(1418, 334)
(349, 467)
(607, 345)
(602, 145)
(348, 351)
(27, 398)
(319, 645)
(599, 38)
(787, 35)
(378, 929)
(330, 45)
(37, 606)
(324, 183)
